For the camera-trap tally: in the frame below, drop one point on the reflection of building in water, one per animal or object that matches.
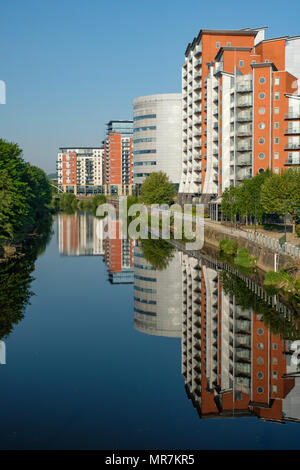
(157, 296)
(118, 258)
(231, 362)
(80, 234)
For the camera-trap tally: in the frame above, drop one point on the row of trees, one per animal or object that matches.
(266, 193)
(25, 192)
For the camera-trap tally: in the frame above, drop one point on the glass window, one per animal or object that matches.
(275, 376)
(241, 63)
(275, 361)
(276, 80)
(261, 170)
(260, 360)
(276, 171)
(260, 346)
(260, 390)
(276, 110)
(276, 125)
(260, 331)
(276, 96)
(276, 156)
(274, 388)
(217, 45)
(261, 125)
(275, 347)
(260, 375)
(261, 140)
(261, 111)
(262, 96)
(276, 140)
(228, 44)
(262, 80)
(261, 156)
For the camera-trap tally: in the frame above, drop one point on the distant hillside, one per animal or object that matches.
(52, 176)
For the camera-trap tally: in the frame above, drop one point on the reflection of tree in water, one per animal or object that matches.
(157, 252)
(288, 328)
(16, 278)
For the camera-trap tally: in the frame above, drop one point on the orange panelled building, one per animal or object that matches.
(118, 158)
(240, 109)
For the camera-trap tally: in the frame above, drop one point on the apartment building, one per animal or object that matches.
(118, 148)
(240, 106)
(118, 255)
(80, 169)
(157, 136)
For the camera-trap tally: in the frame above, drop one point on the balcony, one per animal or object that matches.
(244, 132)
(292, 116)
(197, 168)
(292, 161)
(292, 131)
(198, 51)
(244, 103)
(215, 111)
(198, 63)
(244, 117)
(197, 85)
(198, 76)
(198, 179)
(241, 175)
(244, 147)
(244, 87)
(197, 109)
(198, 156)
(292, 146)
(197, 97)
(247, 161)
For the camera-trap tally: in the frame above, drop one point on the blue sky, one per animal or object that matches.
(72, 65)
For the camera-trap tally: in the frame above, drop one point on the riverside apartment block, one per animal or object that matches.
(240, 109)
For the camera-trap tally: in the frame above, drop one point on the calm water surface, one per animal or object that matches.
(113, 353)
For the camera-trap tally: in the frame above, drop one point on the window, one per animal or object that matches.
(262, 96)
(261, 156)
(276, 140)
(260, 346)
(260, 360)
(261, 170)
(261, 111)
(262, 80)
(261, 125)
(276, 125)
(146, 116)
(276, 80)
(275, 375)
(253, 62)
(260, 390)
(260, 331)
(275, 347)
(276, 171)
(241, 63)
(274, 388)
(218, 45)
(276, 110)
(267, 61)
(276, 156)
(276, 96)
(261, 140)
(275, 361)
(260, 375)
(228, 44)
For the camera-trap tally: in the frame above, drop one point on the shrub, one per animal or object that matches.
(298, 230)
(228, 247)
(244, 259)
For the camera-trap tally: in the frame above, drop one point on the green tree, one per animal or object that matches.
(280, 192)
(158, 189)
(157, 252)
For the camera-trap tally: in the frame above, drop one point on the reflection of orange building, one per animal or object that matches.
(80, 234)
(232, 364)
(118, 257)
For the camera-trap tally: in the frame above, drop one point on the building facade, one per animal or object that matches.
(240, 107)
(157, 136)
(118, 178)
(80, 169)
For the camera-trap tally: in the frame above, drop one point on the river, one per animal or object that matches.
(118, 344)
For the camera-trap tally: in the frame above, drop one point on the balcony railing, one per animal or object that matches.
(243, 148)
(244, 87)
(292, 161)
(244, 117)
(244, 161)
(244, 103)
(293, 146)
(292, 116)
(292, 130)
